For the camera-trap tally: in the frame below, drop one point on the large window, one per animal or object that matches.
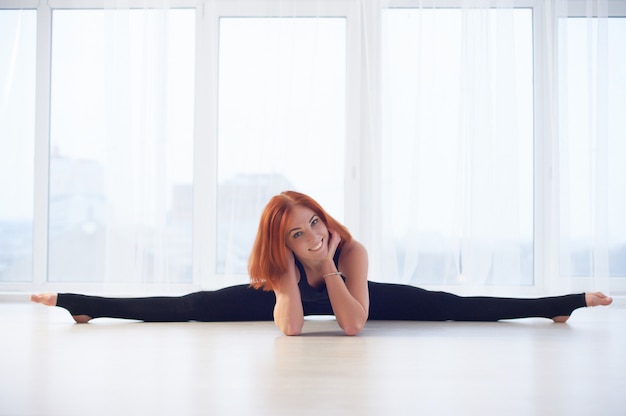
(282, 97)
(593, 146)
(463, 145)
(457, 116)
(121, 145)
(17, 139)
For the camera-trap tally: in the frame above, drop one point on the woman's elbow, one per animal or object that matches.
(292, 329)
(353, 328)
(351, 332)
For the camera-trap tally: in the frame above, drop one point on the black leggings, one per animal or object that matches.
(387, 302)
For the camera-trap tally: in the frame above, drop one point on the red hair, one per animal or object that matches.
(268, 260)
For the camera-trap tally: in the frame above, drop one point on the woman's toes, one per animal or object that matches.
(48, 299)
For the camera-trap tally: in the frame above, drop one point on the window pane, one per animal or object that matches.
(458, 145)
(617, 146)
(121, 145)
(281, 122)
(17, 134)
(592, 114)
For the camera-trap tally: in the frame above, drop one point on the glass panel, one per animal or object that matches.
(121, 145)
(281, 122)
(17, 138)
(591, 83)
(458, 145)
(617, 146)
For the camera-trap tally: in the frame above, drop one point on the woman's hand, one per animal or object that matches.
(334, 239)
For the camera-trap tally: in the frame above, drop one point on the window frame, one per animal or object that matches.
(359, 123)
(548, 182)
(205, 193)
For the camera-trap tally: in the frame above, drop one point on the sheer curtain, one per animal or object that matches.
(472, 145)
(457, 145)
(121, 146)
(589, 93)
(499, 147)
(281, 118)
(17, 128)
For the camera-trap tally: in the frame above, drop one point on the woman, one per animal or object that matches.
(304, 262)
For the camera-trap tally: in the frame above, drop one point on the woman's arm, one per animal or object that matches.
(349, 300)
(288, 311)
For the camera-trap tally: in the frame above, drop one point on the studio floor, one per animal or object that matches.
(50, 366)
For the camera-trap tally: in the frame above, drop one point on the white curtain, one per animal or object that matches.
(499, 168)
(457, 145)
(589, 90)
(121, 140)
(474, 148)
(17, 128)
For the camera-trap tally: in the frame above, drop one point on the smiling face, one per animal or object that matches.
(307, 235)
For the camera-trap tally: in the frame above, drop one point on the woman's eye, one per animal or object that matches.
(315, 221)
(297, 234)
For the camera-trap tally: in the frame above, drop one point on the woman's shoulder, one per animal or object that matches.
(353, 248)
(354, 262)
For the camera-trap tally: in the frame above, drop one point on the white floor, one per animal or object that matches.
(50, 366)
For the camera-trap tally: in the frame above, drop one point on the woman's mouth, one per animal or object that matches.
(317, 246)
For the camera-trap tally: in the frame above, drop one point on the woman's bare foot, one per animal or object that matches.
(560, 319)
(81, 319)
(597, 299)
(591, 299)
(50, 299)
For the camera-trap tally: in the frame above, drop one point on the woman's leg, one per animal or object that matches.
(402, 302)
(236, 303)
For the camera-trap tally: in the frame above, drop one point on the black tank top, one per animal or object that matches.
(307, 292)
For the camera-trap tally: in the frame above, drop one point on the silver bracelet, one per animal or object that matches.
(332, 274)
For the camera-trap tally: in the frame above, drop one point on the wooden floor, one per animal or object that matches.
(50, 366)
